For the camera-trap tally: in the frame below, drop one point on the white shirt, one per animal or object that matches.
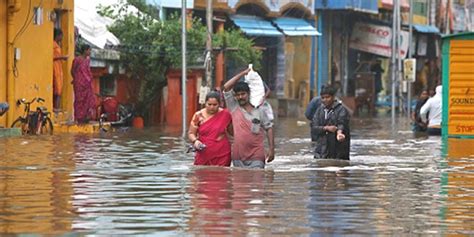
(434, 106)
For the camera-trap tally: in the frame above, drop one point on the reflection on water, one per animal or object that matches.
(142, 182)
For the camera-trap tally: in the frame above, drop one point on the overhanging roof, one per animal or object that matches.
(253, 25)
(295, 27)
(426, 29)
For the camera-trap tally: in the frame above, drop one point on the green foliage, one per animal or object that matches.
(149, 46)
(241, 50)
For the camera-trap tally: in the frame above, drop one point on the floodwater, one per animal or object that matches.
(142, 183)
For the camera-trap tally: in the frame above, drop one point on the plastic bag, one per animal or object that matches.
(257, 89)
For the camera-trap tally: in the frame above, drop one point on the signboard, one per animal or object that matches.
(460, 88)
(376, 39)
(409, 70)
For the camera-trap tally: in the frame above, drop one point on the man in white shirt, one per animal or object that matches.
(433, 107)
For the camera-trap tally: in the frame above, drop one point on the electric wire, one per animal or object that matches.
(20, 32)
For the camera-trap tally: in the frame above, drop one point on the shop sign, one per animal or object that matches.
(376, 39)
(409, 69)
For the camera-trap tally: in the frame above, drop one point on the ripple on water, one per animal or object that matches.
(142, 183)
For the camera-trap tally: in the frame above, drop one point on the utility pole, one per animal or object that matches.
(399, 58)
(209, 44)
(183, 64)
(393, 59)
(447, 9)
(410, 55)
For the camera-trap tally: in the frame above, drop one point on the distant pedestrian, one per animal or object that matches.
(377, 69)
(330, 127)
(250, 126)
(418, 124)
(433, 109)
(313, 105)
(84, 99)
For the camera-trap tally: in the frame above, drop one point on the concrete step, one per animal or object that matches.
(61, 117)
(91, 127)
(10, 132)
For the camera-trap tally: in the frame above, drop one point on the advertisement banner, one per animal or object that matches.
(376, 39)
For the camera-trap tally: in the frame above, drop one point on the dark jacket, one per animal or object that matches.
(327, 145)
(313, 105)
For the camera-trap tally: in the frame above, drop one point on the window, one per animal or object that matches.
(108, 85)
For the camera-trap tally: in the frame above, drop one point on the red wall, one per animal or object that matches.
(173, 109)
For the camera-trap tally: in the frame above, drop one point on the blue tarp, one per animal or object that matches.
(253, 25)
(426, 29)
(295, 27)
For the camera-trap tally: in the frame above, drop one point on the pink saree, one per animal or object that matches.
(84, 99)
(217, 152)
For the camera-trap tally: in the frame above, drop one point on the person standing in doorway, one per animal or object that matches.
(250, 125)
(58, 59)
(330, 127)
(84, 100)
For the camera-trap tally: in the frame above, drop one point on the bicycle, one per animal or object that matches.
(33, 122)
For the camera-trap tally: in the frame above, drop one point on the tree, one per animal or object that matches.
(149, 46)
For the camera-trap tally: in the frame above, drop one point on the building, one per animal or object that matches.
(358, 33)
(285, 32)
(26, 36)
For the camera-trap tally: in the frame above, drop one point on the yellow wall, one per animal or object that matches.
(3, 55)
(301, 67)
(461, 94)
(422, 20)
(34, 68)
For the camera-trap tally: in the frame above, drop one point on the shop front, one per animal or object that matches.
(369, 60)
(286, 43)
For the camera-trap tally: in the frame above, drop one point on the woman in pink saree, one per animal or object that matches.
(208, 133)
(84, 100)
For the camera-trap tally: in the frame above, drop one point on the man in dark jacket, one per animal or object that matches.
(330, 127)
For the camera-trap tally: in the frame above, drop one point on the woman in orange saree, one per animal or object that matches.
(58, 59)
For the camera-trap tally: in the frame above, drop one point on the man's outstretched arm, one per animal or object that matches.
(230, 83)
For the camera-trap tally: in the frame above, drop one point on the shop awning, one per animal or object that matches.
(295, 27)
(426, 29)
(253, 25)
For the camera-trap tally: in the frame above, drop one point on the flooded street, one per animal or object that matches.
(141, 182)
